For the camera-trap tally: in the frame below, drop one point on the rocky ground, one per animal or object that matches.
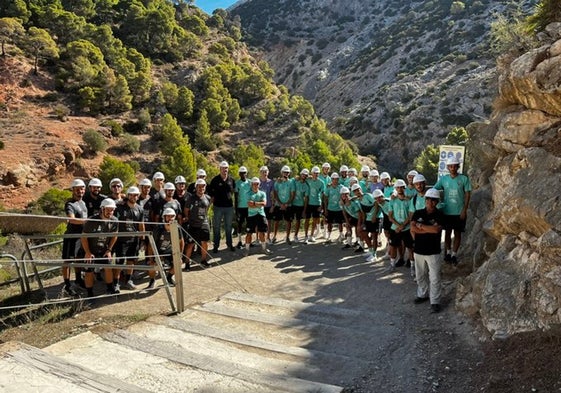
(442, 352)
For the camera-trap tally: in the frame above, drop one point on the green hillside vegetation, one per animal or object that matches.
(168, 69)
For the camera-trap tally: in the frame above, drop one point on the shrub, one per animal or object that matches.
(52, 202)
(113, 167)
(129, 143)
(94, 141)
(116, 127)
(61, 112)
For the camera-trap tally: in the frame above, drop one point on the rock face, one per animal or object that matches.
(516, 214)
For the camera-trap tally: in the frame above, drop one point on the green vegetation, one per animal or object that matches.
(94, 141)
(547, 11)
(129, 143)
(111, 168)
(52, 202)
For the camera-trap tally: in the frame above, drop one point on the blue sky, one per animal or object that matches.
(210, 5)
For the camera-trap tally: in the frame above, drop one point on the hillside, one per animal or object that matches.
(393, 76)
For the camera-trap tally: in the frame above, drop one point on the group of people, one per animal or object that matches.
(360, 205)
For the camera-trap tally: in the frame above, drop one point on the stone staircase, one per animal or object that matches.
(238, 343)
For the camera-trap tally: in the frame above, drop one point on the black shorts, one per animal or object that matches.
(285, 215)
(386, 224)
(241, 215)
(353, 221)
(335, 217)
(454, 223)
(257, 222)
(313, 211)
(126, 250)
(71, 247)
(101, 260)
(268, 213)
(198, 235)
(371, 227)
(396, 238)
(298, 212)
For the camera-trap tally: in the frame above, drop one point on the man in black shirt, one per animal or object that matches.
(196, 220)
(221, 191)
(426, 229)
(93, 197)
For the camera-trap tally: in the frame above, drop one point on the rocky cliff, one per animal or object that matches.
(515, 241)
(391, 75)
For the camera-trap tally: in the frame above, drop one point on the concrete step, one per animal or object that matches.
(24, 368)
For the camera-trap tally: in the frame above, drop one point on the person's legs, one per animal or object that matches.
(216, 222)
(422, 275)
(434, 273)
(228, 219)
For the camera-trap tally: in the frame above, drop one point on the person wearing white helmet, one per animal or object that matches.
(315, 209)
(158, 180)
(426, 230)
(197, 223)
(353, 173)
(162, 239)
(300, 201)
(257, 219)
(388, 189)
(368, 224)
(344, 175)
(374, 181)
(181, 194)
(351, 212)
(267, 185)
(333, 210)
(76, 211)
(400, 237)
(324, 176)
(457, 189)
(382, 209)
(93, 197)
(201, 174)
(221, 190)
(131, 220)
(168, 201)
(99, 249)
(283, 195)
(241, 191)
(116, 190)
(145, 200)
(364, 181)
(410, 189)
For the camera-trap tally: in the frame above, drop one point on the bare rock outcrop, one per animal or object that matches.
(515, 240)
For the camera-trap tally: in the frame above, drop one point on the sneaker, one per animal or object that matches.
(296, 240)
(288, 241)
(215, 250)
(151, 283)
(304, 239)
(454, 260)
(113, 290)
(70, 291)
(187, 267)
(328, 241)
(371, 258)
(400, 262)
(359, 250)
(267, 251)
(117, 288)
(269, 241)
(232, 248)
(435, 308)
(171, 281)
(205, 263)
(347, 246)
(240, 245)
(312, 239)
(419, 300)
(274, 240)
(368, 255)
(340, 239)
(130, 285)
(447, 258)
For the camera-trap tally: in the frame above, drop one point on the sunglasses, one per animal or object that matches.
(116, 186)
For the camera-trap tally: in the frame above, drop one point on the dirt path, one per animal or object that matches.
(413, 350)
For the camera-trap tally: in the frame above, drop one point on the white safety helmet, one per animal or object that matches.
(255, 180)
(353, 179)
(400, 183)
(77, 183)
(412, 173)
(344, 190)
(133, 190)
(169, 186)
(264, 168)
(158, 175)
(305, 172)
(201, 172)
(365, 168)
(224, 164)
(95, 182)
(355, 187)
(419, 178)
(145, 182)
(108, 202)
(116, 180)
(344, 168)
(315, 169)
(168, 211)
(352, 171)
(200, 182)
(326, 165)
(374, 172)
(385, 175)
(452, 161)
(285, 168)
(432, 193)
(242, 169)
(335, 175)
(378, 193)
(180, 179)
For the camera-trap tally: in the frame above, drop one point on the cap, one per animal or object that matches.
(169, 186)
(200, 182)
(412, 173)
(264, 169)
(419, 178)
(432, 193)
(242, 169)
(116, 180)
(400, 183)
(133, 190)
(145, 182)
(95, 182)
(343, 168)
(352, 170)
(305, 172)
(180, 179)
(378, 193)
(224, 164)
(355, 187)
(201, 172)
(168, 211)
(315, 169)
(335, 175)
(365, 168)
(255, 180)
(158, 175)
(77, 183)
(326, 165)
(385, 175)
(374, 172)
(344, 190)
(108, 202)
(285, 168)
(353, 178)
(452, 161)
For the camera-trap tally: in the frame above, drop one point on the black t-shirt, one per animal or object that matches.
(198, 211)
(160, 205)
(99, 244)
(222, 190)
(427, 243)
(79, 210)
(129, 219)
(93, 204)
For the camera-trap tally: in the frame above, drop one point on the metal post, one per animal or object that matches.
(176, 254)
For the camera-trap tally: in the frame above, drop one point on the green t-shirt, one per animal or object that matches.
(284, 190)
(353, 209)
(454, 193)
(317, 187)
(301, 192)
(258, 196)
(242, 188)
(400, 210)
(333, 195)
